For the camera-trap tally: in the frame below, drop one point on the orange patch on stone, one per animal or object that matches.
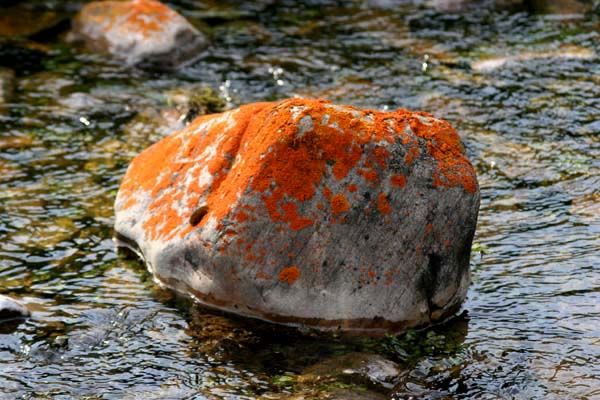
(398, 181)
(339, 203)
(242, 216)
(381, 156)
(289, 274)
(147, 17)
(383, 205)
(256, 148)
(412, 154)
(428, 228)
(262, 275)
(443, 143)
(369, 174)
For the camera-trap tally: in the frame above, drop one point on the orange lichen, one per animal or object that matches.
(443, 143)
(163, 167)
(256, 149)
(381, 156)
(389, 277)
(241, 216)
(339, 203)
(412, 154)
(290, 214)
(398, 180)
(428, 228)
(289, 274)
(369, 174)
(147, 17)
(383, 205)
(262, 275)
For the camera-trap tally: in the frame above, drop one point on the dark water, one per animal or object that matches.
(531, 125)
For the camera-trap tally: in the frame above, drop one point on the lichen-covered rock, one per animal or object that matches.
(12, 309)
(304, 212)
(138, 31)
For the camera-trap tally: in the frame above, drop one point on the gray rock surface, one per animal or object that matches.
(307, 213)
(141, 32)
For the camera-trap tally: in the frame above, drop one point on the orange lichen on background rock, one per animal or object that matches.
(138, 31)
(148, 15)
(289, 274)
(144, 16)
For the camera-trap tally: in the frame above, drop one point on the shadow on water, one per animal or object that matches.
(520, 82)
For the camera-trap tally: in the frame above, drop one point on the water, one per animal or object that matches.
(530, 123)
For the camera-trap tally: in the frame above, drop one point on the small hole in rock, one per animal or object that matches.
(197, 215)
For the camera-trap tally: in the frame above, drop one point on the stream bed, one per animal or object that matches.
(520, 83)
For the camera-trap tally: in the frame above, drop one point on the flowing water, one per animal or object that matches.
(522, 86)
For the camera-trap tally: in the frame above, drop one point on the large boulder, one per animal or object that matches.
(303, 212)
(142, 32)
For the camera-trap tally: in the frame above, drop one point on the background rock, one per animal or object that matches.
(12, 309)
(142, 32)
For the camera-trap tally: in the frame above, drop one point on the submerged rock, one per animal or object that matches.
(370, 369)
(303, 212)
(138, 31)
(462, 5)
(564, 52)
(12, 309)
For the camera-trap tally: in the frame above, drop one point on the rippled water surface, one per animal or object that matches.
(522, 86)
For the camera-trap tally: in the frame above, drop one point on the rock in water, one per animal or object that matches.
(307, 213)
(12, 309)
(372, 369)
(138, 31)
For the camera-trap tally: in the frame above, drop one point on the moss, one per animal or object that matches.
(196, 101)
(480, 248)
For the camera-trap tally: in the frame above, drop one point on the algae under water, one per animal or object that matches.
(520, 84)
